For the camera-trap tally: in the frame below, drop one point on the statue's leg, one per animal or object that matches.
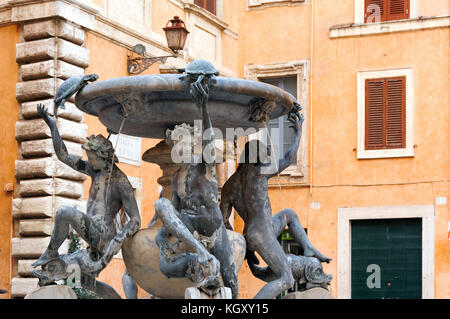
(129, 285)
(65, 217)
(178, 266)
(265, 243)
(172, 266)
(222, 251)
(169, 216)
(288, 217)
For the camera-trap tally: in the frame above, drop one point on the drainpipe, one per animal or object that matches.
(311, 71)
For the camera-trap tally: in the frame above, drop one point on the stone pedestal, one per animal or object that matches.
(161, 155)
(195, 293)
(52, 292)
(313, 293)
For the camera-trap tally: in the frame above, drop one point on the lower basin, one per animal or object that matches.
(141, 256)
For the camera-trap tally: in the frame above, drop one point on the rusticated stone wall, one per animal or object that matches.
(48, 53)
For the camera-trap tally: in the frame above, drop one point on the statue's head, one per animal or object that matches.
(256, 153)
(91, 77)
(100, 151)
(314, 274)
(186, 143)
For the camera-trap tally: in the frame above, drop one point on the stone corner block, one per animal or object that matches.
(54, 28)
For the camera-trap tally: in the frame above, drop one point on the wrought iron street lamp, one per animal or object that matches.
(176, 35)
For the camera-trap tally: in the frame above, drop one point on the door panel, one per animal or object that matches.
(387, 258)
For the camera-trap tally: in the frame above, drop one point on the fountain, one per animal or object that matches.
(187, 243)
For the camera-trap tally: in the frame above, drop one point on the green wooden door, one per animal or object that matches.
(386, 258)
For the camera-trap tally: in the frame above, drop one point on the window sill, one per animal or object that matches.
(293, 179)
(262, 4)
(387, 153)
(352, 30)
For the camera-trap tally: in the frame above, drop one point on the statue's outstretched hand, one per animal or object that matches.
(296, 118)
(42, 111)
(97, 266)
(199, 90)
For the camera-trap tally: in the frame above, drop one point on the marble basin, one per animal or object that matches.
(152, 103)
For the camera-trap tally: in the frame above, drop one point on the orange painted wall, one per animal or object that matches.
(9, 111)
(162, 13)
(339, 179)
(433, 8)
(335, 65)
(275, 34)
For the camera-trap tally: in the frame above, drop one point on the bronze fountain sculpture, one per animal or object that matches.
(190, 240)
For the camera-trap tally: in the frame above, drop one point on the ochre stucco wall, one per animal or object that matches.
(338, 178)
(276, 34)
(9, 111)
(433, 8)
(420, 179)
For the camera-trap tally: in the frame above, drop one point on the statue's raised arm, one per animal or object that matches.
(200, 72)
(61, 152)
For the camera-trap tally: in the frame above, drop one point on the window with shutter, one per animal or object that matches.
(385, 125)
(385, 10)
(209, 5)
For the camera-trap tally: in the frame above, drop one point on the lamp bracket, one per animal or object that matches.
(139, 65)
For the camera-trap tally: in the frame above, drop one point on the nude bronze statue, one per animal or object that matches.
(247, 191)
(193, 216)
(109, 192)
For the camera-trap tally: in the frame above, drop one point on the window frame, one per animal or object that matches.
(298, 173)
(408, 150)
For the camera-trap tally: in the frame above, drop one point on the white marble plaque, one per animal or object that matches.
(128, 149)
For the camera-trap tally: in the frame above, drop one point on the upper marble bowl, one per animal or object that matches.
(153, 103)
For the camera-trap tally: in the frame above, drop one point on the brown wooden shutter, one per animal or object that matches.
(385, 120)
(209, 5)
(388, 10)
(370, 13)
(398, 9)
(395, 112)
(374, 114)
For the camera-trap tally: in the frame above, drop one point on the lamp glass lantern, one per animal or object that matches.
(176, 34)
